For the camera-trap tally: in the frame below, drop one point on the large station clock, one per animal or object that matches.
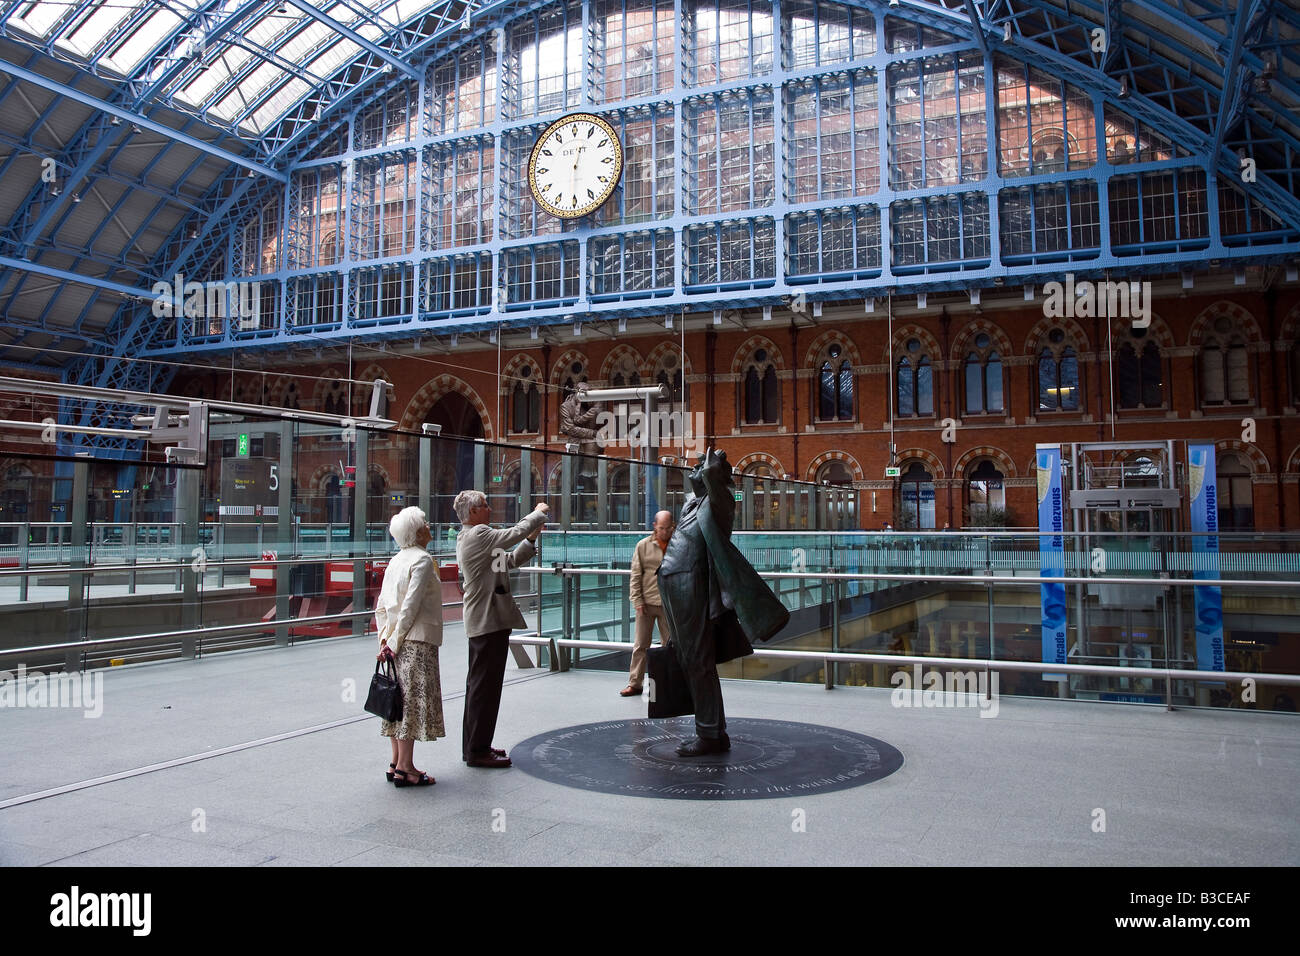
(575, 165)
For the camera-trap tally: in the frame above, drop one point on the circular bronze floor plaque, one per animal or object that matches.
(768, 759)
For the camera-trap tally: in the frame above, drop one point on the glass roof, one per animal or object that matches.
(246, 62)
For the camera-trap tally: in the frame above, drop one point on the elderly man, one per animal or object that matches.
(647, 557)
(486, 555)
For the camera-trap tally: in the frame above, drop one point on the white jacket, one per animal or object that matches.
(409, 607)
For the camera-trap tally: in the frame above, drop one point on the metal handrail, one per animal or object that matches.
(974, 577)
(1108, 670)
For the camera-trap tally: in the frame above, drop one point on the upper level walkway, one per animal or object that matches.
(257, 758)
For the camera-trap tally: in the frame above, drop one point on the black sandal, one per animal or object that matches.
(392, 767)
(402, 778)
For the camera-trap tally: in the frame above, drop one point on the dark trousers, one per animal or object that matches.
(706, 690)
(487, 669)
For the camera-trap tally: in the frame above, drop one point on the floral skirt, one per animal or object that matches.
(417, 673)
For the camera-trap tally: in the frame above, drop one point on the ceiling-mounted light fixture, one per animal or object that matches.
(1123, 88)
(115, 121)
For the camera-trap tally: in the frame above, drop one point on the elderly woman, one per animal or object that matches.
(409, 614)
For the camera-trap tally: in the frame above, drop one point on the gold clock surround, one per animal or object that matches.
(585, 198)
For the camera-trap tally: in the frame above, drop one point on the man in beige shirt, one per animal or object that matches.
(646, 559)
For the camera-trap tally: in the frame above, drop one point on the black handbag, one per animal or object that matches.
(670, 696)
(385, 697)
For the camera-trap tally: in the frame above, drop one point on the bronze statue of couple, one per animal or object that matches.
(716, 606)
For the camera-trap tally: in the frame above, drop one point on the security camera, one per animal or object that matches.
(430, 429)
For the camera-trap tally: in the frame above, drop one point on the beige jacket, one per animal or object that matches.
(485, 559)
(645, 582)
(409, 607)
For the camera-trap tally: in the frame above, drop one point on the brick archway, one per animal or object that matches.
(932, 463)
(1158, 331)
(824, 340)
(1258, 460)
(658, 352)
(616, 355)
(835, 455)
(752, 345)
(754, 457)
(1004, 461)
(510, 374)
(1242, 322)
(929, 344)
(1072, 329)
(1293, 461)
(964, 338)
(418, 408)
(562, 365)
(1290, 329)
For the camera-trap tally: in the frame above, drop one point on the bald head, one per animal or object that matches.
(664, 525)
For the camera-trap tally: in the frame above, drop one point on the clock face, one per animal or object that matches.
(575, 165)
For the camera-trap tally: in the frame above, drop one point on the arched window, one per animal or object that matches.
(1295, 373)
(525, 402)
(762, 391)
(1139, 372)
(1058, 375)
(1224, 366)
(624, 374)
(916, 509)
(577, 372)
(915, 392)
(985, 495)
(983, 374)
(834, 386)
(767, 495)
(335, 401)
(834, 472)
(669, 372)
(1236, 500)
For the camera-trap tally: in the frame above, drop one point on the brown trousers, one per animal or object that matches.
(644, 628)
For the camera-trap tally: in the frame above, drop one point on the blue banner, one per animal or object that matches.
(1051, 549)
(1203, 487)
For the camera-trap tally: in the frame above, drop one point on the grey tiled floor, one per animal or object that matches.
(1183, 788)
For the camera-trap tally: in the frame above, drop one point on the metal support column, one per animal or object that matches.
(566, 492)
(189, 489)
(284, 540)
(602, 494)
(361, 543)
(425, 464)
(77, 559)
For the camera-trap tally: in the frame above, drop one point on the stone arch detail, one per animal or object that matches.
(1241, 318)
(755, 457)
(965, 338)
(1290, 329)
(1158, 331)
(658, 352)
(328, 377)
(931, 462)
(929, 344)
(1034, 341)
(835, 455)
(1004, 461)
(752, 345)
(320, 474)
(510, 373)
(826, 338)
(1258, 460)
(1293, 461)
(562, 364)
(427, 396)
(617, 354)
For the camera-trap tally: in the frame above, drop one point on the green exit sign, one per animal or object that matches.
(739, 496)
(893, 472)
(497, 478)
(242, 446)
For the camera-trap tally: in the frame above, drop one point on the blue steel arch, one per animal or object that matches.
(1103, 91)
(1042, 35)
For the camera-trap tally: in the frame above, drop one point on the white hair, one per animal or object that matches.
(466, 500)
(405, 525)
